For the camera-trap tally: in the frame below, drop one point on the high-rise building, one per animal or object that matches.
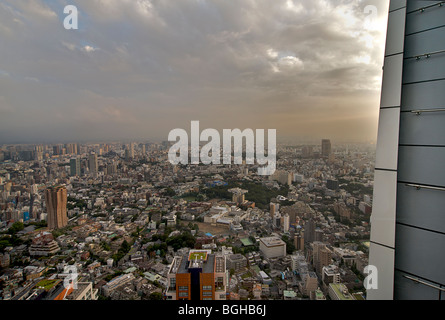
(200, 275)
(56, 150)
(55, 198)
(132, 150)
(322, 256)
(272, 209)
(92, 164)
(407, 220)
(309, 231)
(325, 148)
(285, 223)
(299, 241)
(75, 166)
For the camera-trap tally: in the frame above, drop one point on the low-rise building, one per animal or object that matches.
(272, 247)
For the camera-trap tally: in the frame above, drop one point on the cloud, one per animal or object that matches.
(88, 48)
(155, 65)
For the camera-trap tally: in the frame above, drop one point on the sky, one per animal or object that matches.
(136, 69)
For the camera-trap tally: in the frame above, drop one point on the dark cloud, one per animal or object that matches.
(139, 68)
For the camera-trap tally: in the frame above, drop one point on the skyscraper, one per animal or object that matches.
(55, 198)
(325, 148)
(92, 163)
(309, 231)
(75, 166)
(132, 150)
(407, 221)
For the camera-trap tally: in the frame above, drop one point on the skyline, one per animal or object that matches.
(134, 70)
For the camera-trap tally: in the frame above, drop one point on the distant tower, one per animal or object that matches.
(272, 209)
(75, 166)
(132, 150)
(309, 231)
(325, 148)
(92, 163)
(277, 220)
(285, 222)
(55, 198)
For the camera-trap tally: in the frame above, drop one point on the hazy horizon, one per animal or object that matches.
(134, 70)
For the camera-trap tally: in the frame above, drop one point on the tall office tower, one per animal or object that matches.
(56, 150)
(75, 166)
(143, 150)
(285, 223)
(199, 276)
(112, 168)
(55, 198)
(92, 164)
(69, 148)
(407, 221)
(272, 209)
(277, 220)
(325, 148)
(299, 241)
(309, 231)
(132, 150)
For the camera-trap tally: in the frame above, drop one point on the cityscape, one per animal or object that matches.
(244, 151)
(123, 223)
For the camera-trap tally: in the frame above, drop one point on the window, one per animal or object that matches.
(182, 288)
(206, 294)
(183, 294)
(172, 282)
(206, 287)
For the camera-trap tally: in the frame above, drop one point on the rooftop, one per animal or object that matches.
(272, 241)
(341, 291)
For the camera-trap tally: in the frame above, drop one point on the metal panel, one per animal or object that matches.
(406, 289)
(387, 138)
(421, 207)
(417, 4)
(420, 252)
(425, 95)
(396, 4)
(425, 42)
(392, 81)
(384, 207)
(425, 69)
(420, 21)
(395, 32)
(426, 128)
(383, 259)
(423, 165)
